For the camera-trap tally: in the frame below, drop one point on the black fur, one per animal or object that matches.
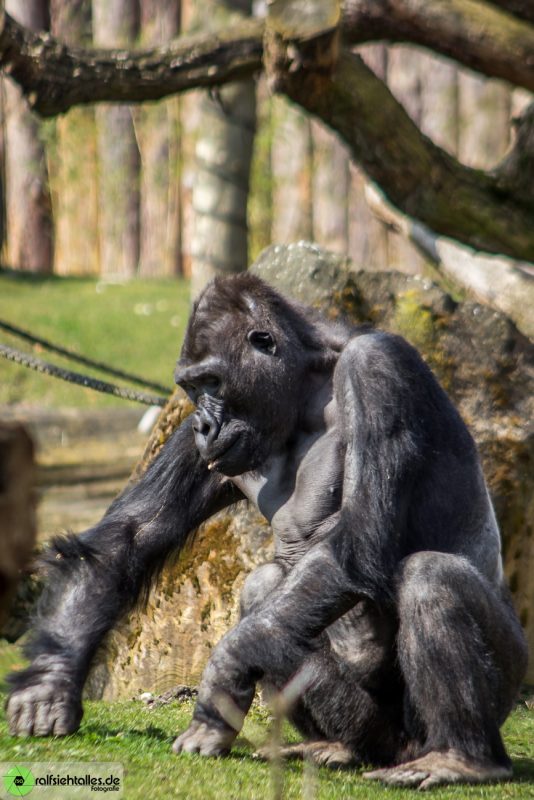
(386, 592)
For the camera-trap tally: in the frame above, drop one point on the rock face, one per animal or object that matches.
(482, 361)
(195, 602)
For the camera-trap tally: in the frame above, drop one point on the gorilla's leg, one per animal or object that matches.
(463, 656)
(345, 720)
(259, 585)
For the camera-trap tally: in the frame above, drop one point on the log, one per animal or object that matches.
(17, 508)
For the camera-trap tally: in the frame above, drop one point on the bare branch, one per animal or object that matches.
(472, 32)
(417, 176)
(54, 77)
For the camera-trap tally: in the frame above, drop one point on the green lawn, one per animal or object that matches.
(140, 738)
(137, 326)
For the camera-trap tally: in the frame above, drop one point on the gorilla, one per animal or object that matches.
(386, 592)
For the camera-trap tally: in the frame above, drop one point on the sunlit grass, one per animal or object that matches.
(140, 738)
(137, 326)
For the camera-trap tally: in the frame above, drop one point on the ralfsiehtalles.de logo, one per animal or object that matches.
(19, 781)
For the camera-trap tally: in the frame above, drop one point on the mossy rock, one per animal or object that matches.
(194, 603)
(482, 361)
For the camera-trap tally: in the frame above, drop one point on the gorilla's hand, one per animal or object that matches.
(205, 739)
(51, 707)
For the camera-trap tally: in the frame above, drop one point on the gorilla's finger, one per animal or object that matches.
(66, 719)
(26, 719)
(42, 725)
(13, 709)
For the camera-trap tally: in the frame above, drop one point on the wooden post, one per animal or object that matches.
(73, 165)
(115, 24)
(17, 508)
(30, 234)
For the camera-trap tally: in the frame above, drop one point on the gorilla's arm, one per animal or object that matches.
(388, 431)
(95, 577)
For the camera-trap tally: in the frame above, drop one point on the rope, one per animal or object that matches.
(54, 348)
(82, 380)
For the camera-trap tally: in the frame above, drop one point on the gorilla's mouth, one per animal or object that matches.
(225, 454)
(235, 459)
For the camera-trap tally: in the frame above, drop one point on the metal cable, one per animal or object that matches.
(76, 377)
(54, 348)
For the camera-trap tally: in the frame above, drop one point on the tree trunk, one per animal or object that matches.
(115, 23)
(291, 160)
(75, 165)
(158, 132)
(404, 78)
(223, 159)
(484, 107)
(29, 218)
(368, 237)
(330, 190)
(2, 176)
(260, 202)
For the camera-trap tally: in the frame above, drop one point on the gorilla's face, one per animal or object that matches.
(240, 364)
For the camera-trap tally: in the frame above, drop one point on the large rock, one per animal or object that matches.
(482, 361)
(193, 605)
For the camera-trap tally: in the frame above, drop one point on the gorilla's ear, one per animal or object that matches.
(262, 341)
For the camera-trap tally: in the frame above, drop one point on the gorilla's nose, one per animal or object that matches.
(206, 429)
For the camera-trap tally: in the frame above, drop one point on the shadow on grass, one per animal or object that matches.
(523, 770)
(105, 732)
(37, 278)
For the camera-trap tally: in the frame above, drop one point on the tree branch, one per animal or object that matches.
(502, 283)
(418, 177)
(490, 212)
(515, 173)
(471, 32)
(54, 77)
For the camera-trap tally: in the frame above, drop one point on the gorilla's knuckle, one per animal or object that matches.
(42, 710)
(203, 739)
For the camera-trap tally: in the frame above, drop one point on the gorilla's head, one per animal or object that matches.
(245, 361)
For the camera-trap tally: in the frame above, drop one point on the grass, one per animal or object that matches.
(140, 738)
(137, 326)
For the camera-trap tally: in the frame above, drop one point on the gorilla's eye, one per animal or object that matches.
(262, 341)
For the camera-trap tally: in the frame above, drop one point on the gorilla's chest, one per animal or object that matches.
(299, 492)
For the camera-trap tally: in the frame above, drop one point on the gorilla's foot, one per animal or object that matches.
(45, 709)
(436, 769)
(322, 753)
(205, 740)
